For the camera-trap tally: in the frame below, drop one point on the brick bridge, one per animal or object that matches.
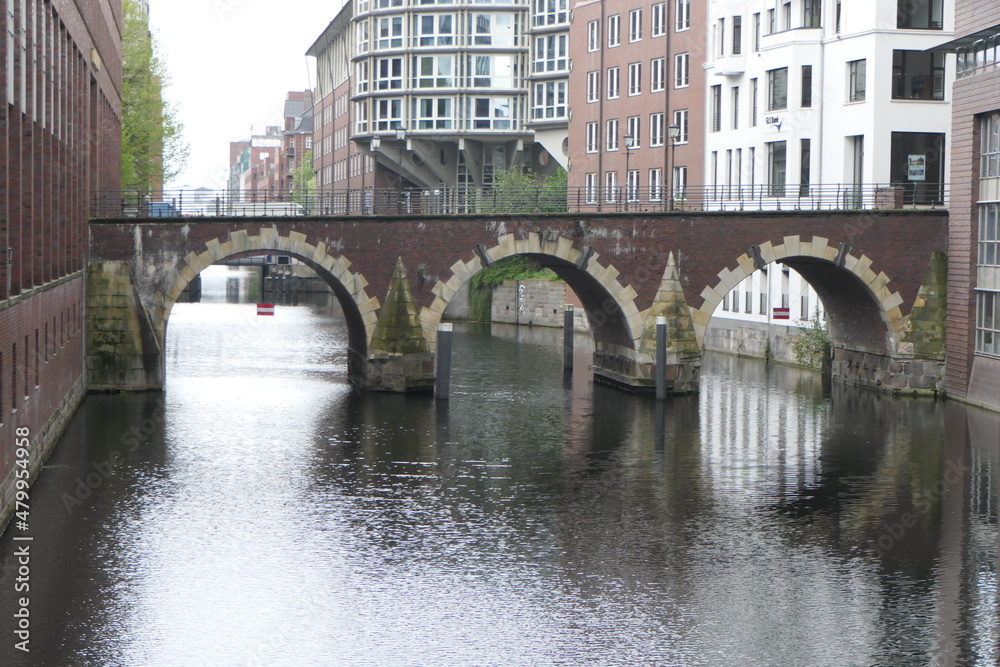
(881, 276)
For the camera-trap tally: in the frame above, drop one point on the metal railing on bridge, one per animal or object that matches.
(486, 200)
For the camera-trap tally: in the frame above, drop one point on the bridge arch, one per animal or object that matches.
(616, 322)
(349, 287)
(863, 312)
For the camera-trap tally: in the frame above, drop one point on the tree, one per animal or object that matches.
(304, 181)
(153, 147)
(518, 190)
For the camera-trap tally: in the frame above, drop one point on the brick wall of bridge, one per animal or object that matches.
(898, 243)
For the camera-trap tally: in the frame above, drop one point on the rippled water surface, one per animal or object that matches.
(263, 514)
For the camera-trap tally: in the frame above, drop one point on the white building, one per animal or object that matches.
(806, 98)
(814, 104)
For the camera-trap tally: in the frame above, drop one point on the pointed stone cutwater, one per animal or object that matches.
(399, 357)
(683, 352)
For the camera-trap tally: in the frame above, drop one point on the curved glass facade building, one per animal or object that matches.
(442, 85)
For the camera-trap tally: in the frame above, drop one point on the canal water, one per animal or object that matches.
(258, 512)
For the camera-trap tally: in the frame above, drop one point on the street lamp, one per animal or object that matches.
(628, 154)
(674, 132)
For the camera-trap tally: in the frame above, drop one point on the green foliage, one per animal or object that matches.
(518, 190)
(153, 148)
(517, 267)
(811, 345)
(304, 181)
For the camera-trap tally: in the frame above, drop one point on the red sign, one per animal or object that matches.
(265, 309)
(781, 313)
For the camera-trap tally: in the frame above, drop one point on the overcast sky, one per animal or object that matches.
(231, 62)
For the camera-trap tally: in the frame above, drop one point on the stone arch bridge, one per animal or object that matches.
(881, 276)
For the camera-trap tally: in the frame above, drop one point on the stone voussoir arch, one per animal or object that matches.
(876, 284)
(561, 247)
(268, 240)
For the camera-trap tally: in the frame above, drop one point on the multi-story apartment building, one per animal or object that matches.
(803, 95)
(60, 133)
(439, 88)
(973, 338)
(298, 134)
(258, 163)
(549, 82)
(338, 162)
(637, 98)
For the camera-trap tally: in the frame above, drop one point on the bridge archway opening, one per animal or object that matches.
(343, 283)
(852, 307)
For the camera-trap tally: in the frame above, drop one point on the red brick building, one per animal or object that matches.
(60, 140)
(973, 343)
(637, 70)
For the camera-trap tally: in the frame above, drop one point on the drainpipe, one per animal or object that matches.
(601, 124)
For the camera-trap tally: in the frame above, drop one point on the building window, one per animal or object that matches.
(856, 80)
(490, 30)
(805, 158)
(388, 114)
(659, 27)
(748, 301)
(681, 70)
(658, 74)
(736, 107)
(550, 100)
(590, 185)
(989, 235)
(716, 108)
(592, 137)
(786, 16)
(390, 74)
(656, 129)
(436, 30)
(655, 184)
(916, 160)
(612, 134)
(989, 146)
(987, 323)
(361, 77)
(635, 25)
(811, 10)
(614, 30)
(920, 14)
(753, 102)
(361, 33)
(777, 89)
(771, 25)
(593, 35)
(683, 15)
(489, 113)
(434, 72)
(807, 86)
(737, 35)
(681, 121)
(390, 32)
(433, 113)
(633, 128)
(756, 32)
(485, 71)
(679, 183)
(632, 185)
(917, 75)
(613, 83)
(776, 168)
(611, 186)
(593, 86)
(551, 53)
(551, 12)
(634, 79)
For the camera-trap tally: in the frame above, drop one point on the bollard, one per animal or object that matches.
(568, 337)
(442, 385)
(661, 357)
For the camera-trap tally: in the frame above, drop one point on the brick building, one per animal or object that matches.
(636, 72)
(973, 342)
(60, 140)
